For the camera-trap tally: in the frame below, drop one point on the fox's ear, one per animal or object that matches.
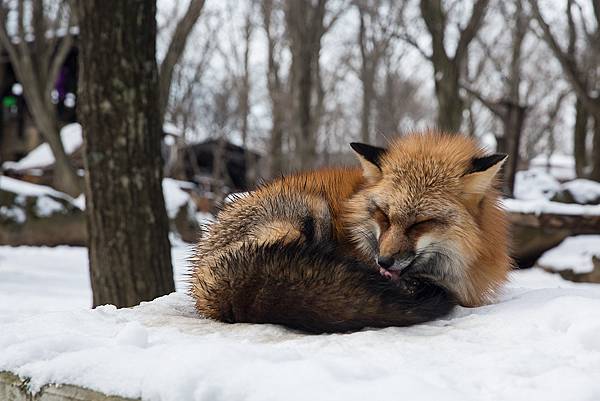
(370, 159)
(480, 176)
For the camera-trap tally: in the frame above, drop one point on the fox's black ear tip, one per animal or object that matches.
(483, 163)
(370, 153)
(356, 145)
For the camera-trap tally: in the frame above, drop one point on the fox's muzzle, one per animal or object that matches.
(396, 263)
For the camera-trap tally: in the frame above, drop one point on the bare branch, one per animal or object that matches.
(491, 106)
(468, 33)
(60, 56)
(175, 50)
(413, 43)
(568, 63)
(435, 20)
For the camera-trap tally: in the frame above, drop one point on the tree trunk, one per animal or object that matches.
(595, 174)
(244, 107)
(64, 177)
(276, 93)
(306, 140)
(579, 137)
(276, 141)
(450, 103)
(37, 71)
(367, 79)
(305, 28)
(129, 248)
(513, 120)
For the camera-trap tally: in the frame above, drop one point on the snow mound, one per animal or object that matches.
(583, 191)
(535, 184)
(539, 341)
(544, 206)
(46, 202)
(72, 139)
(573, 253)
(175, 197)
(28, 189)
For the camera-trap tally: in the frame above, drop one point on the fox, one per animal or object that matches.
(402, 239)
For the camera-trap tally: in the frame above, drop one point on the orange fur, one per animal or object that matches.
(421, 197)
(422, 180)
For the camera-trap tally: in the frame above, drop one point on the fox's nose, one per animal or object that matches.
(385, 261)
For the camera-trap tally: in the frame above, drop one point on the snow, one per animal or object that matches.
(42, 156)
(541, 206)
(46, 203)
(573, 253)
(583, 191)
(534, 188)
(204, 218)
(46, 206)
(175, 197)
(560, 166)
(539, 341)
(13, 213)
(535, 184)
(28, 189)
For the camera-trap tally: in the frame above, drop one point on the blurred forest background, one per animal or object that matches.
(216, 96)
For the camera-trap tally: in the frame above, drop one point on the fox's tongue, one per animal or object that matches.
(392, 275)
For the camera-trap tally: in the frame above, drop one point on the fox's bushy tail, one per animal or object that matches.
(311, 288)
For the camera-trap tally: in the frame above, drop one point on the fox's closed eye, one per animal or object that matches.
(422, 223)
(381, 218)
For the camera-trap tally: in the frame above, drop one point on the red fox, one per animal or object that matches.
(417, 230)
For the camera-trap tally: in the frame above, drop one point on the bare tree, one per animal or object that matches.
(276, 86)
(306, 24)
(175, 50)
(583, 79)
(448, 69)
(509, 109)
(237, 65)
(398, 105)
(379, 24)
(37, 48)
(129, 250)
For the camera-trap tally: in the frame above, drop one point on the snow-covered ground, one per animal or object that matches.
(539, 341)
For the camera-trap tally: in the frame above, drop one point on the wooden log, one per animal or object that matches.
(534, 234)
(13, 388)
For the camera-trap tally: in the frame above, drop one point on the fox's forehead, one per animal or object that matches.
(430, 156)
(410, 197)
(423, 177)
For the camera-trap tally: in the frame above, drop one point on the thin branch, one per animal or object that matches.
(491, 106)
(568, 64)
(413, 43)
(467, 34)
(175, 50)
